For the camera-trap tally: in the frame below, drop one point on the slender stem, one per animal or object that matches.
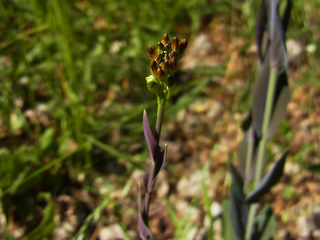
(266, 123)
(161, 107)
(262, 143)
(147, 200)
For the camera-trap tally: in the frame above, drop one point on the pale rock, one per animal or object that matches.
(190, 186)
(112, 232)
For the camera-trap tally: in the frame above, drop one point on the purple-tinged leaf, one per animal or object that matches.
(286, 16)
(278, 51)
(282, 97)
(271, 178)
(261, 30)
(144, 231)
(157, 157)
(270, 33)
(151, 141)
(246, 122)
(160, 159)
(259, 95)
(242, 152)
(146, 178)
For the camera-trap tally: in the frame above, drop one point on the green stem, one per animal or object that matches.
(262, 143)
(266, 123)
(248, 161)
(162, 102)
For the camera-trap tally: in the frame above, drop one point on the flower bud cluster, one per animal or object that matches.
(164, 60)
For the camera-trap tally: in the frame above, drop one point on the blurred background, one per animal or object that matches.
(72, 93)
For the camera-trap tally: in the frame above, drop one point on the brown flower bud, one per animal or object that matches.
(159, 58)
(165, 65)
(160, 47)
(152, 52)
(182, 46)
(174, 44)
(160, 74)
(153, 66)
(165, 40)
(173, 64)
(174, 56)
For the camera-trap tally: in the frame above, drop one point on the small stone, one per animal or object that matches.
(294, 48)
(112, 232)
(190, 186)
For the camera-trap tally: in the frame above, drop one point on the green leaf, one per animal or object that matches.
(227, 229)
(238, 208)
(264, 225)
(46, 139)
(46, 226)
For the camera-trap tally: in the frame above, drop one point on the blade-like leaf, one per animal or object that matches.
(246, 122)
(156, 155)
(286, 16)
(160, 160)
(46, 226)
(259, 94)
(226, 223)
(261, 30)
(242, 152)
(278, 51)
(144, 231)
(272, 177)
(238, 208)
(151, 141)
(280, 104)
(264, 225)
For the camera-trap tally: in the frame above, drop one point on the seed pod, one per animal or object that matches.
(182, 46)
(165, 40)
(175, 44)
(152, 52)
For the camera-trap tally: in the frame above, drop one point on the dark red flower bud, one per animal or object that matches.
(153, 67)
(160, 74)
(152, 52)
(174, 44)
(160, 47)
(173, 64)
(165, 40)
(182, 46)
(174, 56)
(165, 65)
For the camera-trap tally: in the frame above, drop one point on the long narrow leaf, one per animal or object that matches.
(272, 177)
(144, 231)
